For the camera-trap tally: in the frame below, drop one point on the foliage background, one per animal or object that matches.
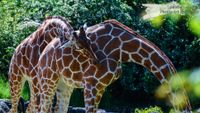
(137, 85)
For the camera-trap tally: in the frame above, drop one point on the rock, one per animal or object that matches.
(4, 106)
(101, 111)
(82, 110)
(198, 110)
(76, 110)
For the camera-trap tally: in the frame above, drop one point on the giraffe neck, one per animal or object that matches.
(52, 27)
(139, 51)
(116, 42)
(33, 46)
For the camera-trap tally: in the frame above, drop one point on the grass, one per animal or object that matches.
(5, 89)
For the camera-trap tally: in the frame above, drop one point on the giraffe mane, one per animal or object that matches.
(119, 24)
(66, 21)
(59, 20)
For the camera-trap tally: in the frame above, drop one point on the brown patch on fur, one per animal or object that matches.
(117, 74)
(94, 91)
(43, 61)
(99, 86)
(92, 81)
(60, 65)
(35, 80)
(33, 73)
(28, 51)
(116, 32)
(125, 37)
(159, 76)
(166, 72)
(90, 71)
(67, 73)
(100, 55)
(98, 98)
(137, 58)
(131, 46)
(55, 77)
(85, 65)
(42, 46)
(157, 60)
(25, 63)
(114, 43)
(75, 66)
(77, 76)
(100, 71)
(153, 68)
(87, 93)
(81, 58)
(143, 53)
(92, 37)
(58, 53)
(19, 59)
(107, 78)
(125, 57)
(67, 60)
(103, 40)
(147, 64)
(112, 65)
(103, 31)
(35, 56)
(147, 48)
(115, 54)
(53, 65)
(67, 50)
(94, 47)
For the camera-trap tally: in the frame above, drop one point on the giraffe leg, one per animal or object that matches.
(92, 98)
(16, 83)
(34, 102)
(47, 92)
(63, 98)
(98, 97)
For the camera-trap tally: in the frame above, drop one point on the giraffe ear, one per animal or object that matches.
(85, 26)
(82, 31)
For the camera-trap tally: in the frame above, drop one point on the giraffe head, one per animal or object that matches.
(80, 41)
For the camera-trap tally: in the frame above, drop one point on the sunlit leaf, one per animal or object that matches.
(179, 99)
(195, 82)
(194, 25)
(197, 90)
(180, 80)
(174, 17)
(157, 21)
(163, 91)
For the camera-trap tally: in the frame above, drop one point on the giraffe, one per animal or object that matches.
(25, 58)
(57, 63)
(63, 68)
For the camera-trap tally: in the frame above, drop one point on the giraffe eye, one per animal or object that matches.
(88, 35)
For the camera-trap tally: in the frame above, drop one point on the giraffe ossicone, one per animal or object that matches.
(112, 43)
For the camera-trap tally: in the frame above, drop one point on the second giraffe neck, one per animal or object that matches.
(112, 42)
(50, 29)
